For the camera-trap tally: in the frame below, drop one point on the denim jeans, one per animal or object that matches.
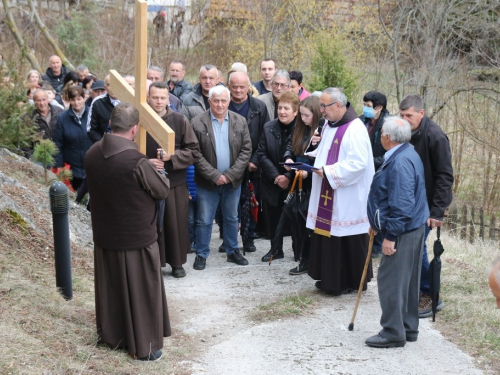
(424, 274)
(207, 202)
(192, 221)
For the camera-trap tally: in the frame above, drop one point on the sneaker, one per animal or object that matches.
(199, 263)
(299, 270)
(237, 258)
(151, 357)
(178, 272)
(425, 306)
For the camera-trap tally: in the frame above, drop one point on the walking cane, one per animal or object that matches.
(363, 277)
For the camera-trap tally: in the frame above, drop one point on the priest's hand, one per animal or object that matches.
(319, 172)
(315, 139)
(288, 161)
(159, 165)
(388, 247)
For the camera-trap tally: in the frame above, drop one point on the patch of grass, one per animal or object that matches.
(470, 318)
(18, 220)
(288, 307)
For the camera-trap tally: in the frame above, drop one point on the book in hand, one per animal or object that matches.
(300, 166)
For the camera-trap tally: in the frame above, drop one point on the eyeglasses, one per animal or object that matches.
(323, 106)
(281, 85)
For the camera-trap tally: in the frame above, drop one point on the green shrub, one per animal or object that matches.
(329, 66)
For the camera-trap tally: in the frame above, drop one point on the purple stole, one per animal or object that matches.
(325, 205)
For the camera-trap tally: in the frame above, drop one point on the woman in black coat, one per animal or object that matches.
(308, 122)
(275, 179)
(70, 135)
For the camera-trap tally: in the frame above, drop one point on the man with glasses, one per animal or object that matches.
(196, 102)
(339, 194)
(279, 84)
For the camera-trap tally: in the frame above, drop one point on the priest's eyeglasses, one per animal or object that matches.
(323, 106)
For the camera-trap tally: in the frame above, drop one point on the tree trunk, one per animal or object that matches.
(49, 37)
(18, 37)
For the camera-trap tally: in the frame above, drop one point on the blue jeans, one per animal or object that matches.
(192, 221)
(207, 202)
(424, 274)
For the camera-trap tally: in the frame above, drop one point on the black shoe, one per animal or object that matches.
(332, 293)
(152, 356)
(299, 270)
(249, 247)
(221, 249)
(376, 252)
(378, 341)
(411, 338)
(237, 258)
(278, 255)
(199, 263)
(178, 272)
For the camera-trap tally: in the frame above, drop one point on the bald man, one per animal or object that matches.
(55, 73)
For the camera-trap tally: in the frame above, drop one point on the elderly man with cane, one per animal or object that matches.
(397, 207)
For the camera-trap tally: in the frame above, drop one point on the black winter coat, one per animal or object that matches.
(55, 81)
(269, 155)
(433, 147)
(257, 117)
(99, 121)
(70, 136)
(377, 149)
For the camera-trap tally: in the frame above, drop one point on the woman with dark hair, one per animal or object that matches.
(275, 180)
(70, 135)
(306, 125)
(87, 85)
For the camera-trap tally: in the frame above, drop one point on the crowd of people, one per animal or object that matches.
(370, 175)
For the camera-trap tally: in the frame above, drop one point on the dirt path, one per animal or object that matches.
(213, 307)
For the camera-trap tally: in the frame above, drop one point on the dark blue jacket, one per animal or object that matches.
(397, 203)
(70, 136)
(190, 182)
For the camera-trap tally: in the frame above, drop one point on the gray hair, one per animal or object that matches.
(218, 90)
(36, 91)
(336, 95)
(398, 129)
(129, 76)
(411, 101)
(239, 67)
(81, 68)
(157, 69)
(282, 73)
(237, 71)
(208, 67)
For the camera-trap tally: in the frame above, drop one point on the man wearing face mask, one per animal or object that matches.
(374, 114)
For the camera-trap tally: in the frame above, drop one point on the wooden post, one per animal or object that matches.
(492, 228)
(481, 223)
(149, 119)
(463, 231)
(472, 230)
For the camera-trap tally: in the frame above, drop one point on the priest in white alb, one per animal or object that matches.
(337, 207)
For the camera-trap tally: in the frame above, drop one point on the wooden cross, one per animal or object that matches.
(326, 197)
(148, 119)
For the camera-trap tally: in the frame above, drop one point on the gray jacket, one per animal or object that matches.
(240, 144)
(268, 100)
(193, 103)
(181, 89)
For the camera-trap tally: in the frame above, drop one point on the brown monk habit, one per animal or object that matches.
(173, 241)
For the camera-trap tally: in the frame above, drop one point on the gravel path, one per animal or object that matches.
(213, 306)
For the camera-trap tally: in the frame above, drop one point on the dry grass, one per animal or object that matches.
(470, 318)
(289, 307)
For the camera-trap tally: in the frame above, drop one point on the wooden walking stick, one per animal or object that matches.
(363, 277)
